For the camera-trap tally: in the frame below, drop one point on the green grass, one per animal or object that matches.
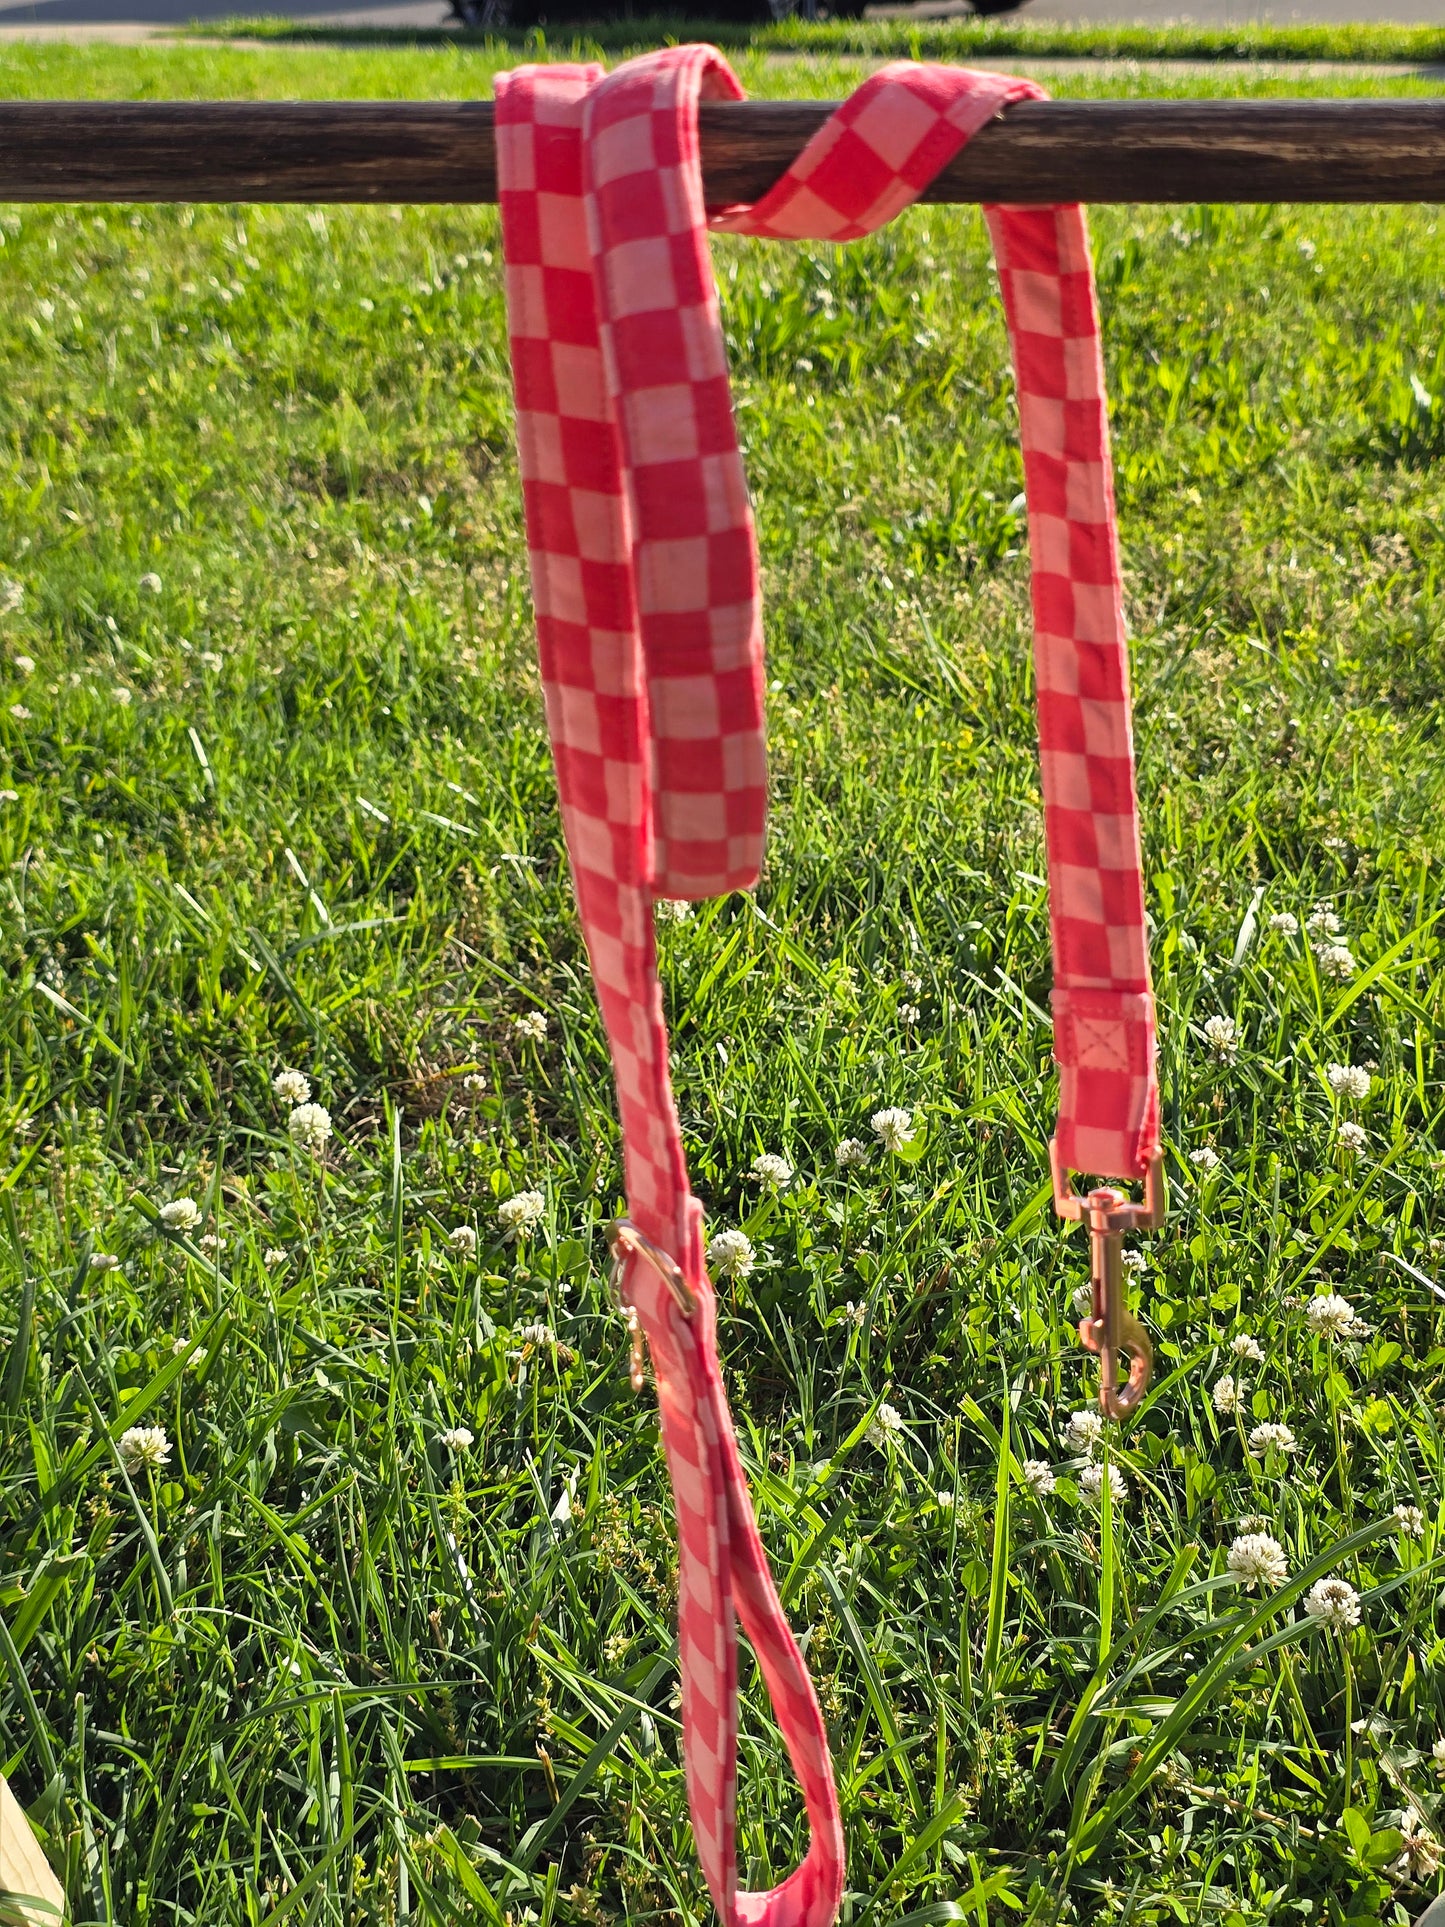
(292, 807)
(451, 67)
(957, 40)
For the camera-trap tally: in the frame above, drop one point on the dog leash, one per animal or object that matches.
(645, 583)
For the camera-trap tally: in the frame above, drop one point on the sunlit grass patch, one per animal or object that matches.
(335, 1544)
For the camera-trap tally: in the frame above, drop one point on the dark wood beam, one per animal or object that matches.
(1038, 151)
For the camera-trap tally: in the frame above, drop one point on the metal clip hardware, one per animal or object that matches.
(1111, 1327)
(625, 1241)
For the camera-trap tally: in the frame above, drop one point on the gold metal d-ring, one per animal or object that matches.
(626, 1241)
(1123, 1213)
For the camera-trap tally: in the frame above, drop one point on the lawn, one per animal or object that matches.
(370, 1621)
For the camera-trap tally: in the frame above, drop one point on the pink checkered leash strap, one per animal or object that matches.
(645, 580)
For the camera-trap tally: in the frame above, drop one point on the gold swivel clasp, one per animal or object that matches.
(1111, 1328)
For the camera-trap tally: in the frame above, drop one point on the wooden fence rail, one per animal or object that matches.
(1101, 150)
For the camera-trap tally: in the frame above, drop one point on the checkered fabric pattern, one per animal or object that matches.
(645, 581)
(644, 577)
(1102, 1005)
(875, 155)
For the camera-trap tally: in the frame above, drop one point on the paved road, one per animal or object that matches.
(1213, 13)
(140, 19)
(130, 20)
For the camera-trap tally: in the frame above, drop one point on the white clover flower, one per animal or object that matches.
(150, 582)
(1257, 1559)
(672, 909)
(310, 1126)
(104, 1261)
(531, 1027)
(20, 712)
(25, 664)
(520, 1214)
(12, 595)
(1227, 1394)
(1352, 1138)
(1335, 1603)
(908, 1014)
(1133, 1260)
(120, 694)
(144, 1445)
(1271, 1437)
(1328, 1315)
(198, 1356)
(1437, 1754)
(911, 980)
(562, 1511)
(885, 1422)
(1039, 1477)
(730, 1254)
(893, 1128)
(1255, 1522)
(945, 1501)
(463, 1239)
(1206, 1158)
(292, 1087)
(457, 1438)
(772, 1171)
(1084, 1430)
(181, 1214)
(1348, 1080)
(1335, 960)
(1091, 1483)
(856, 1314)
(1420, 1849)
(537, 1334)
(1286, 922)
(9, 796)
(1082, 1301)
(1222, 1036)
(209, 1241)
(848, 1152)
(272, 1256)
(1322, 921)
(1409, 1521)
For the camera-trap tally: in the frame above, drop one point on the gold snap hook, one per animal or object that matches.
(1111, 1328)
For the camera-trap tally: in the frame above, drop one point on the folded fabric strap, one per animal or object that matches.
(645, 580)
